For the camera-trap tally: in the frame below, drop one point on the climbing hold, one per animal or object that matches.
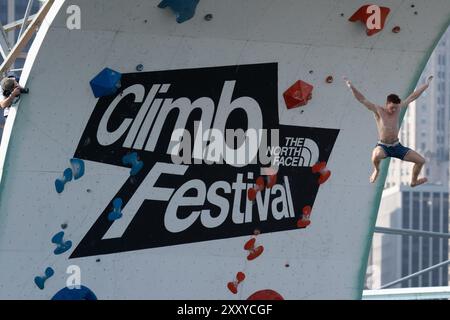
(233, 286)
(117, 211)
(40, 281)
(61, 245)
(106, 83)
(61, 182)
(208, 17)
(253, 252)
(396, 29)
(260, 185)
(329, 79)
(270, 180)
(139, 67)
(321, 168)
(305, 221)
(266, 294)
(298, 94)
(132, 159)
(64, 226)
(373, 17)
(77, 168)
(183, 9)
(81, 293)
(76, 172)
(307, 210)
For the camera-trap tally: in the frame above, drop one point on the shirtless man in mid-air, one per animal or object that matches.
(387, 118)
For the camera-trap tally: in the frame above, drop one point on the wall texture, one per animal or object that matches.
(183, 227)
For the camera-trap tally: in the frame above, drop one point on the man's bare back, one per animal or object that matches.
(387, 119)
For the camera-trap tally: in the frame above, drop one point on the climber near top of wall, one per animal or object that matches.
(10, 90)
(387, 119)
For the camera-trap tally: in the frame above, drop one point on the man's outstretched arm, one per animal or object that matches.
(360, 97)
(413, 96)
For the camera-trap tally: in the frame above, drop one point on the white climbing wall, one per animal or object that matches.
(261, 47)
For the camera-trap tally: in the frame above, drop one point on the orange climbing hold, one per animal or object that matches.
(298, 94)
(373, 17)
(233, 286)
(321, 168)
(253, 252)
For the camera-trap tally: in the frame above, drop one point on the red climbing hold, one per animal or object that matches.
(240, 276)
(260, 185)
(307, 210)
(396, 29)
(324, 177)
(272, 180)
(321, 167)
(266, 294)
(298, 94)
(304, 221)
(233, 286)
(251, 194)
(253, 252)
(318, 167)
(373, 17)
(250, 244)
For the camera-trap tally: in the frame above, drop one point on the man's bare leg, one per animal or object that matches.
(419, 161)
(377, 155)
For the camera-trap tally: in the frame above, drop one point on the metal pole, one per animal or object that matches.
(25, 18)
(16, 24)
(390, 284)
(409, 232)
(5, 48)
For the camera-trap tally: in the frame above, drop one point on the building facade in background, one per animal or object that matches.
(10, 11)
(425, 128)
(13, 10)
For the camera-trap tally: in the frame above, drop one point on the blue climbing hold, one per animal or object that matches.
(77, 168)
(183, 9)
(117, 211)
(82, 293)
(61, 182)
(40, 281)
(132, 159)
(106, 83)
(61, 245)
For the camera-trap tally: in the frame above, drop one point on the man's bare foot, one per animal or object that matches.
(374, 176)
(418, 182)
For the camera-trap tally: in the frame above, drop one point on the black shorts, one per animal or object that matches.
(396, 150)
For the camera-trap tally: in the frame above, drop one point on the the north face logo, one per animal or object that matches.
(169, 203)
